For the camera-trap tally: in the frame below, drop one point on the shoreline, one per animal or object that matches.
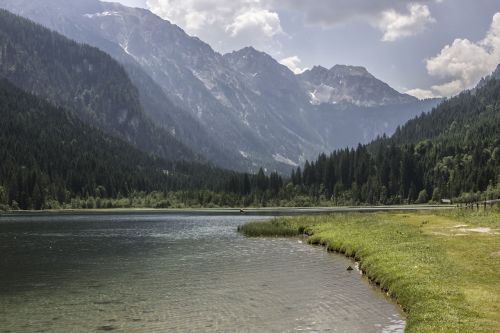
(423, 261)
(264, 211)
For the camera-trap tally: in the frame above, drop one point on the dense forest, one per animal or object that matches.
(51, 159)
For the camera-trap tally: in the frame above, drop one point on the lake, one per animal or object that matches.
(175, 273)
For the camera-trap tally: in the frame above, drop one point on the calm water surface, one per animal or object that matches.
(164, 273)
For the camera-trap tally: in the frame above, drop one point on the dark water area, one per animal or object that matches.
(175, 273)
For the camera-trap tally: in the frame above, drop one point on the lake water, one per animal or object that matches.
(165, 273)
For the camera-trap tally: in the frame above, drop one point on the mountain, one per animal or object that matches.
(201, 81)
(451, 152)
(243, 106)
(82, 79)
(67, 17)
(350, 84)
(49, 157)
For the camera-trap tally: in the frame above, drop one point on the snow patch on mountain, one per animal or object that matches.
(102, 14)
(321, 94)
(282, 159)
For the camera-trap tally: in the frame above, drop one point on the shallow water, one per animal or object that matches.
(164, 273)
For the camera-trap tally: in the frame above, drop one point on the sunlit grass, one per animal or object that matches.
(445, 276)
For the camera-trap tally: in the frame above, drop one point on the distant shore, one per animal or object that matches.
(266, 211)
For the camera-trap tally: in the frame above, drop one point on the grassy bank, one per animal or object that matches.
(443, 268)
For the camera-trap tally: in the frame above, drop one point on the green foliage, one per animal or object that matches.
(422, 197)
(3, 196)
(275, 228)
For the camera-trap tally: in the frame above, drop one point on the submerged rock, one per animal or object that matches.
(106, 328)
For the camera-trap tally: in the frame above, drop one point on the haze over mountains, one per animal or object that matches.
(241, 110)
(82, 79)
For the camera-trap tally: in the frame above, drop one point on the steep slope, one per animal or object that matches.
(71, 25)
(460, 114)
(201, 81)
(48, 154)
(82, 79)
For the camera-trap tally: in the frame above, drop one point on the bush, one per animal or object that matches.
(422, 197)
(436, 195)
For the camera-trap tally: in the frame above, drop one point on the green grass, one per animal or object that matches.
(274, 228)
(445, 277)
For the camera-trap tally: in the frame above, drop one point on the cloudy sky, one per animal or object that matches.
(424, 47)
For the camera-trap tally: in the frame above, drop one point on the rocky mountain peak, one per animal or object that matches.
(251, 61)
(350, 84)
(345, 70)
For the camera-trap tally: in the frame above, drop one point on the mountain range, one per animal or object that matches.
(240, 110)
(82, 129)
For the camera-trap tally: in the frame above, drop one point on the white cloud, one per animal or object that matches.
(225, 24)
(395, 18)
(397, 25)
(130, 3)
(449, 89)
(255, 21)
(293, 63)
(463, 63)
(233, 24)
(421, 93)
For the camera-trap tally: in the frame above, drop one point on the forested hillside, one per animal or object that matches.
(50, 157)
(81, 79)
(452, 152)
